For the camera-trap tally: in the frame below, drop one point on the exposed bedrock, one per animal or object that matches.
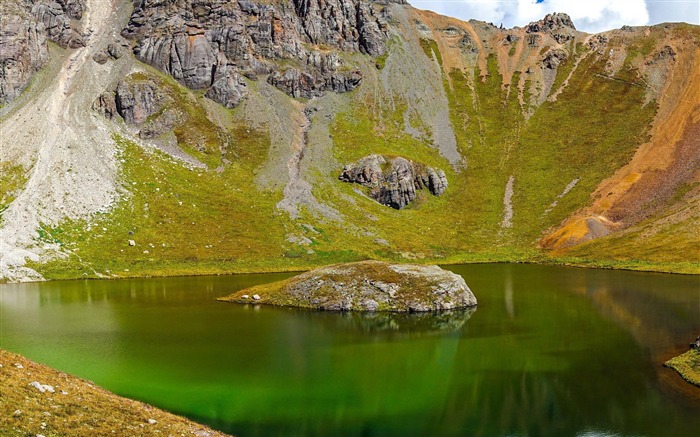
(23, 49)
(141, 104)
(366, 286)
(56, 17)
(25, 28)
(394, 181)
(194, 41)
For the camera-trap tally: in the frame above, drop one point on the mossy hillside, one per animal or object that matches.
(181, 219)
(465, 222)
(543, 152)
(573, 138)
(12, 179)
(644, 246)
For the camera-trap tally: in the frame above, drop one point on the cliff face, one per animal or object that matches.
(198, 43)
(23, 48)
(221, 129)
(26, 27)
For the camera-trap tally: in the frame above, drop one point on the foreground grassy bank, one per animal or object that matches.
(76, 407)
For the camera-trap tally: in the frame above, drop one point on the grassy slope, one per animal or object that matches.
(224, 223)
(76, 408)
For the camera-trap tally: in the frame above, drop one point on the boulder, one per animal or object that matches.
(137, 100)
(394, 181)
(367, 286)
(229, 90)
(553, 58)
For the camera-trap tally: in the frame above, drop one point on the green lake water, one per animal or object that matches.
(549, 351)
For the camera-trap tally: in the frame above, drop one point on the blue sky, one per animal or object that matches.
(588, 15)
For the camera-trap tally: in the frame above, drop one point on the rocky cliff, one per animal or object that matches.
(394, 181)
(202, 44)
(26, 27)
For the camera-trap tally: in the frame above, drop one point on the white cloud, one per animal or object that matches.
(588, 15)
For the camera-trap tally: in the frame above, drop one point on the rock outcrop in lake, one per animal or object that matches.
(366, 286)
(394, 181)
(688, 364)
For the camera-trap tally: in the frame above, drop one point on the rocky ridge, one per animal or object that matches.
(26, 26)
(393, 181)
(201, 43)
(366, 286)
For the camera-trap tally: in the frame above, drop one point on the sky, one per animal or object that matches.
(590, 16)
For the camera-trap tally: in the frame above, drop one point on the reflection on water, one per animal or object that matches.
(409, 324)
(550, 351)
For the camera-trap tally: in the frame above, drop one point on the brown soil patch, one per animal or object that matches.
(577, 231)
(452, 57)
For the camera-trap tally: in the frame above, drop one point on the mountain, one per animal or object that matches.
(163, 137)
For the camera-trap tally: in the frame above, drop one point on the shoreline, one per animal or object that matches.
(630, 266)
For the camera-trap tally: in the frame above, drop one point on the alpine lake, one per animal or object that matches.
(548, 351)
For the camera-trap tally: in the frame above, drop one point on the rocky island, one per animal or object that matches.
(365, 286)
(688, 364)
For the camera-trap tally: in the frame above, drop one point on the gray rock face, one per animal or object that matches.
(56, 17)
(136, 101)
(319, 75)
(552, 23)
(142, 104)
(23, 49)
(73, 8)
(229, 90)
(194, 41)
(25, 26)
(369, 286)
(394, 181)
(553, 58)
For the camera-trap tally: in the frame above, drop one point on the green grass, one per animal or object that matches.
(188, 220)
(12, 179)
(431, 50)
